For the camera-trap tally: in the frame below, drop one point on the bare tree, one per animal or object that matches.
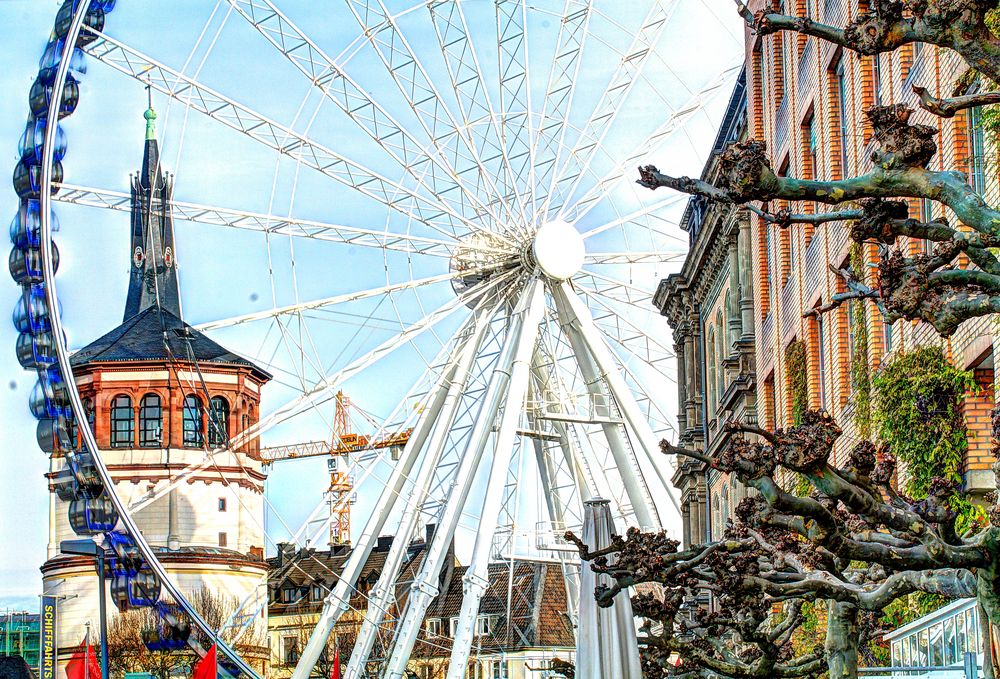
(855, 543)
(132, 632)
(929, 287)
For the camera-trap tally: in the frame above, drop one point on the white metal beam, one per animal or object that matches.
(255, 221)
(437, 409)
(579, 318)
(425, 585)
(284, 140)
(476, 578)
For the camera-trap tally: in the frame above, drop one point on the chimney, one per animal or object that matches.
(384, 543)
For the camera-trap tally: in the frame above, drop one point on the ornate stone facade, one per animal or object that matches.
(709, 306)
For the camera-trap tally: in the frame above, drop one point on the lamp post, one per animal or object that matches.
(89, 547)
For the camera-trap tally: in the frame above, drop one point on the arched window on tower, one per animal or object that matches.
(218, 421)
(194, 432)
(150, 421)
(122, 421)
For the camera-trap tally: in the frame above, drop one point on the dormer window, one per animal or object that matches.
(434, 627)
(485, 624)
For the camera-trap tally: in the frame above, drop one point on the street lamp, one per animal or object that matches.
(89, 547)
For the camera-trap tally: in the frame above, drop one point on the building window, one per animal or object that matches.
(290, 650)
(821, 367)
(317, 593)
(977, 156)
(886, 334)
(850, 346)
(720, 338)
(194, 434)
(122, 422)
(770, 258)
(289, 594)
(150, 421)
(712, 370)
(842, 114)
(434, 627)
(926, 215)
(877, 79)
(223, 540)
(484, 625)
(222, 504)
(452, 627)
(218, 423)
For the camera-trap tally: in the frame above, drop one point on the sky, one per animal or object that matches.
(228, 272)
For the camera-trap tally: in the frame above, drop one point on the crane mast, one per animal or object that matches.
(342, 445)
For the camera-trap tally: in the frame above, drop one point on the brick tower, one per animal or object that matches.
(160, 397)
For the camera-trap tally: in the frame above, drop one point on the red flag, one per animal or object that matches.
(206, 667)
(335, 672)
(83, 663)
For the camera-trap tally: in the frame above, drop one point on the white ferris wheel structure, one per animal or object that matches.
(487, 179)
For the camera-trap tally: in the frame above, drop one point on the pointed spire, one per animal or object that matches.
(150, 116)
(154, 267)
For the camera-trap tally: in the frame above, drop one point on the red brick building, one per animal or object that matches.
(806, 98)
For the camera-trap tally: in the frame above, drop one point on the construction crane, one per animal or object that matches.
(342, 445)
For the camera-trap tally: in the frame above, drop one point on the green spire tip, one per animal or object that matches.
(150, 116)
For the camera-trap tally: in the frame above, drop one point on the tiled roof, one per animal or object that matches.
(535, 615)
(147, 337)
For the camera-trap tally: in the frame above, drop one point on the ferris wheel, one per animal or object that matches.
(446, 223)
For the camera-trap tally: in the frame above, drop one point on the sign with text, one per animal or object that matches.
(47, 642)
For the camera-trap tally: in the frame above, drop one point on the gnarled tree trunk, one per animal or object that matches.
(842, 640)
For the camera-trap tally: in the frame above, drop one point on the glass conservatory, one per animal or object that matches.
(939, 639)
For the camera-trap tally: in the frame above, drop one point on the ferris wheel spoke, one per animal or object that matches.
(573, 169)
(467, 79)
(253, 221)
(559, 93)
(340, 88)
(624, 330)
(427, 210)
(515, 101)
(633, 257)
(637, 217)
(416, 86)
(675, 122)
(333, 380)
(619, 290)
(328, 301)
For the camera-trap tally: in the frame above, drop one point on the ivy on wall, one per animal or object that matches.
(798, 396)
(860, 371)
(798, 379)
(917, 413)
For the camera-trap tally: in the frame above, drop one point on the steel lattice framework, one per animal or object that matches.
(496, 185)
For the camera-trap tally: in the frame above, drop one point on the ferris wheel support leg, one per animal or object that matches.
(557, 511)
(628, 466)
(425, 588)
(337, 601)
(623, 395)
(382, 593)
(476, 578)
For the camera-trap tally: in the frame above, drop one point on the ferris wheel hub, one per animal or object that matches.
(558, 250)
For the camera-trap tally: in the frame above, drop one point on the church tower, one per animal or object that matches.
(161, 397)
